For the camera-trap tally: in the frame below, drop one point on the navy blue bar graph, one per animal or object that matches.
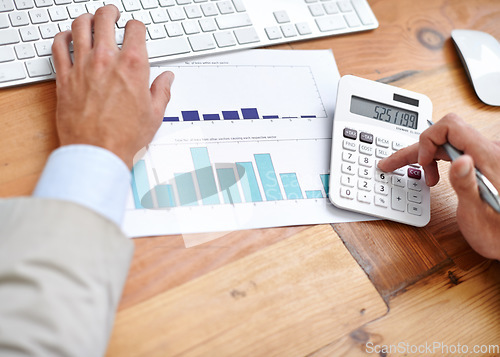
(211, 117)
(190, 115)
(171, 119)
(270, 117)
(250, 113)
(230, 115)
(308, 116)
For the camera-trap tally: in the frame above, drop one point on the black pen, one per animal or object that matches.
(487, 191)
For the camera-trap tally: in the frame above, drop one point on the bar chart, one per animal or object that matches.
(212, 183)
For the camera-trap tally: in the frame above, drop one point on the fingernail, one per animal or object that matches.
(464, 169)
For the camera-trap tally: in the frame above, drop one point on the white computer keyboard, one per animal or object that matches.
(175, 28)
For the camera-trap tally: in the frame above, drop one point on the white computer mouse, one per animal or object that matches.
(480, 54)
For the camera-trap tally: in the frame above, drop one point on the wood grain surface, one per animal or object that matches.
(429, 277)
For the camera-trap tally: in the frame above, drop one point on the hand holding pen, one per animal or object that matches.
(476, 161)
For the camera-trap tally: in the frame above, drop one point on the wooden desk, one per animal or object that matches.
(298, 290)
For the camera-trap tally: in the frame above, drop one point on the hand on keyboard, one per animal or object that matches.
(103, 95)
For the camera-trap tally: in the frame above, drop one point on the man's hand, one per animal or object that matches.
(103, 96)
(479, 223)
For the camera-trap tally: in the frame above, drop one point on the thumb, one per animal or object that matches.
(463, 180)
(160, 92)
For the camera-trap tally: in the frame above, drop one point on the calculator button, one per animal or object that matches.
(399, 172)
(414, 173)
(348, 168)
(348, 156)
(365, 185)
(381, 188)
(347, 193)
(415, 197)
(381, 153)
(365, 149)
(398, 201)
(365, 172)
(398, 181)
(397, 146)
(414, 209)
(365, 161)
(414, 185)
(349, 145)
(381, 176)
(347, 180)
(384, 143)
(364, 197)
(366, 138)
(350, 133)
(381, 201)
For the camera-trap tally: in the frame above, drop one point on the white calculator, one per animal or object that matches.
(372, 121)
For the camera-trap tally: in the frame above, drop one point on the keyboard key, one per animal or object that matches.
(398, 181)
(363, 12)
(38, 67)
(349, 145)
(316, 10)
(330, 23)
(414, 185)
(365, 197)
(288, 30)
(239, 6)
(202, 42)
(414, 173)
(149, 4)
(273, 33)
(19, 19)
(4, 21)
(246, 35)
(350, 133)
(345, 5)
(174, 29)
(208, 25)
(398, 199)
(331, 8)
(193, 12)
(209, 9)
(48, 30)
(384, 143)
(132, 5)
(24, 51)
(233, 21)
(303, 28)
(347, 180)
(168, 47)
(165, 3)
(191, 27)
(225, 7)
(58, 13)
(43, 48)
(414, 209)
(156, 32)
(29, 33)
(414, 197)
(159, 16)
(381, 201)
(7, 54)
(348, 156)
(11, 71)
(347, 193)
(6, 5)
(281, 17)
(76, 10)
(39, 16)
(366, 138)
(24, 4)
(352, 20)
(225, 39)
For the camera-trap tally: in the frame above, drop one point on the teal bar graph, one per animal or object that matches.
(165, 196)
(291, 186)
(140, 186)
(205, 176)
(186, 189)
(325, 180)
(228, 186)
(314, 194)
(248, 182)
(268, 177)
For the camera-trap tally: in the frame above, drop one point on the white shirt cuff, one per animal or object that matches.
(89, 175)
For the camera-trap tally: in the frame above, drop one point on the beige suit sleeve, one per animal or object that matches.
(62, 271)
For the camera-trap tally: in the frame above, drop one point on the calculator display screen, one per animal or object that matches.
(384, 112)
